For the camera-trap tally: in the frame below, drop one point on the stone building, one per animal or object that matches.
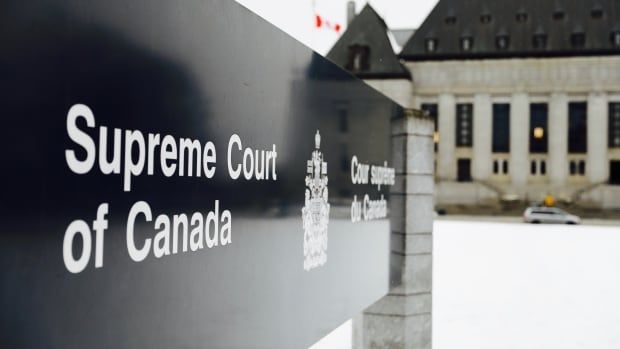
(526, 95)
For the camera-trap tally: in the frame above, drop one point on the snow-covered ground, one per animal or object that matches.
(511, 285)
(339, 338)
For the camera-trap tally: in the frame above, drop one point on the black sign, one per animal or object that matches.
(181, 174)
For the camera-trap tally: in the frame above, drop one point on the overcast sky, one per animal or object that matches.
(296, 17)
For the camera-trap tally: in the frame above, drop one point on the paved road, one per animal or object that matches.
(518, 219)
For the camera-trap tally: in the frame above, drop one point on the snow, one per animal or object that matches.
(340, 338)
(512, 285)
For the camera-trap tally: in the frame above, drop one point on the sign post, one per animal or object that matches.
(183, 174)
(403, 318)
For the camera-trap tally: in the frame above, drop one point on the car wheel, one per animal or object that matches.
(571, 223)
(535, 222)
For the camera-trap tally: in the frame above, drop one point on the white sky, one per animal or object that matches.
(296, 17)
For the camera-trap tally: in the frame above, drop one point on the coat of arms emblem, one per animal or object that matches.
(315, 213)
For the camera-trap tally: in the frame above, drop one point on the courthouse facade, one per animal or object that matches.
(526, 95)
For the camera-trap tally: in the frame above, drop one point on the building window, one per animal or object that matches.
(500, 167)
(613, 126)
(538, 127)
(464, 119)
(533, 167)
(359, 58)
(467, 42)
(614, 172)
(431, 45)
(558, 14)
(485, 18)
(502, 41)
(578, 39)
(614, 38)
(432, 111)
(577, 168)
(501, 128)
(463, 170)
(521, 17)
(450, 20)
(343, 120)
(538, 168)
(577, 127)
(539, 40)
(597, 12)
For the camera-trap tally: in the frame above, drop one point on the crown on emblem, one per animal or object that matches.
(317, 139)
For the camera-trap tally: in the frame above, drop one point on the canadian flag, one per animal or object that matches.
(320, 23)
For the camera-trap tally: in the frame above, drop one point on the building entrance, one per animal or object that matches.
(463, 167)
(614, 172)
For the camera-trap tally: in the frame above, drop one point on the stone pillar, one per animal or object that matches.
(597, 163)
(357, 338)
(402, 319)
(558, 139)
(519, 140)
(446, 161)
(483, 128)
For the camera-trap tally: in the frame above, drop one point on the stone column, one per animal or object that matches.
(519, 140)
(402, 319)
(597, 163)
(558, 139)
(483, 128)
(446, 161)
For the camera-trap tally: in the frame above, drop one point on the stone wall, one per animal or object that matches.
(519, 82)
(399, 90)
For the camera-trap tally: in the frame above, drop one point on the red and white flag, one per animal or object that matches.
(322, 23)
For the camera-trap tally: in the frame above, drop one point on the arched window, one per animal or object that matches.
(467, 43)
(597, 12)
(358, 60)
(502, 41)
(485, 18)
(431, 44)
(539, 40)
(614, 38)
(578, 39)
(450, 19)
(558, 14)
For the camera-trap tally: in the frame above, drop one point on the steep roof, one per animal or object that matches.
(369, 30)
(533, 28)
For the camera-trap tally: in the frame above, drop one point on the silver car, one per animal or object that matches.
(549, 215)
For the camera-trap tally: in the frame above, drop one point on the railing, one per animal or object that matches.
(577, 194)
